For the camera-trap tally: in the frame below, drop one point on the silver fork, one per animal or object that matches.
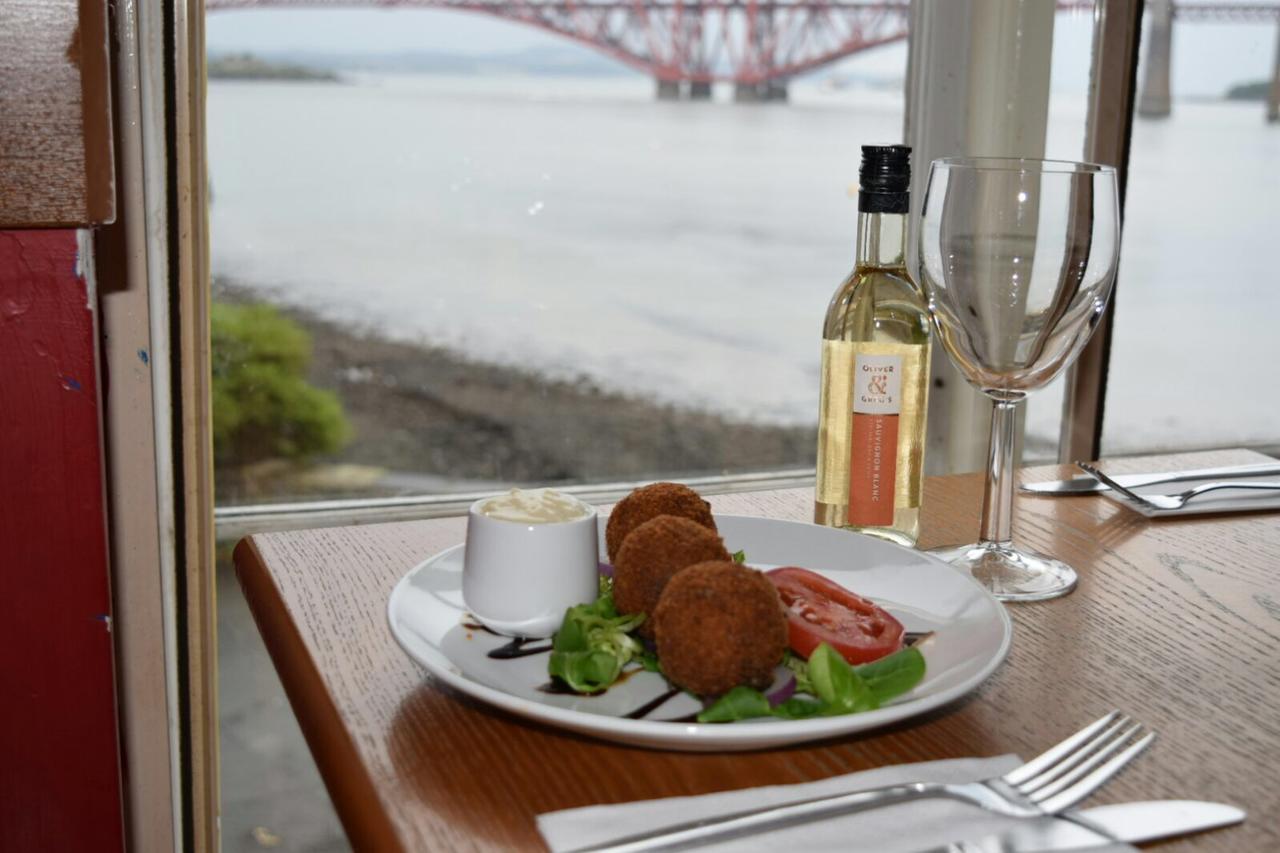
(1048, 784)
(1179, 500)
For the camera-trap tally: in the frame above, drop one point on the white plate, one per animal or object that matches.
(971, 637)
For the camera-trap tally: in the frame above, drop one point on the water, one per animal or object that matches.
(687, 251)
(1195, 360)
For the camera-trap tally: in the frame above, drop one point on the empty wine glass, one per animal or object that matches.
(1017, 258)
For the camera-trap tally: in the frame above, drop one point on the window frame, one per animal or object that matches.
(1112, 88)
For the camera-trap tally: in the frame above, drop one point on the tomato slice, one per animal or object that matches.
(822, 611)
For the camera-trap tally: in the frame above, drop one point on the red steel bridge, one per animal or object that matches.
(756, 44)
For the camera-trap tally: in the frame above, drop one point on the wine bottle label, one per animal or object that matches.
(873, 444)
(839, 407)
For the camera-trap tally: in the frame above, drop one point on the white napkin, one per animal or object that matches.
(1227, 500)
(904, 828)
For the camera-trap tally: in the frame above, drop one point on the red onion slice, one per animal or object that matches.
(783, 687)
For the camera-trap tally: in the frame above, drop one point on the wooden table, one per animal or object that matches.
(1174, 621)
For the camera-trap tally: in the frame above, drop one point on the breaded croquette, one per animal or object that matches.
(652, 554)
(649, 502)
(718, 625)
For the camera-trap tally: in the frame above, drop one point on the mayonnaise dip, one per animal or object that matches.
(534, 506)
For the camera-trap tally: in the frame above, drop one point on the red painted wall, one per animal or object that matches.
(59, 755)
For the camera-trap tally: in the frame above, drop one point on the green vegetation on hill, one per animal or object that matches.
(1256, 91)
(246, 66)
(263, 406)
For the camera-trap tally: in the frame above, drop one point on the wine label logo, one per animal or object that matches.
(877, 384)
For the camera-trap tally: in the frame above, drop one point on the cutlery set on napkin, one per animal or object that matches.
(993, 804)
(1237, 488)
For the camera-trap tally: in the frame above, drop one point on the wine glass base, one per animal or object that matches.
(1011, 574)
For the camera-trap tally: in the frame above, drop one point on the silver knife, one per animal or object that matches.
(1089, 486)
(1103, 825)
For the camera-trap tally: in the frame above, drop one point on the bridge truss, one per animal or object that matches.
(757, 44)
(696, 41)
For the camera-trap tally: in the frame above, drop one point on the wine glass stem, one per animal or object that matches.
(997, 503)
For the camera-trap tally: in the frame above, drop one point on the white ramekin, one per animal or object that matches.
(519, 578)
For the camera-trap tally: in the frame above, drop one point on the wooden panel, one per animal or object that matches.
(1173, 621)
(139, 497)
(55, 114)
(196, 499)
(59, 777)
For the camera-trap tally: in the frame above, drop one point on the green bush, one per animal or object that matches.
(263, 406)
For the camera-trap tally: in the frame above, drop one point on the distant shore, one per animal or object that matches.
(246, 66)
(433, 419)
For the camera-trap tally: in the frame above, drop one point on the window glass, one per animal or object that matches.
(514, 263)
(1194, 359)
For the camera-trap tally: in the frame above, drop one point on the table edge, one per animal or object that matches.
(364, 816)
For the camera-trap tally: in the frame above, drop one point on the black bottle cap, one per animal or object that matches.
(885, 179)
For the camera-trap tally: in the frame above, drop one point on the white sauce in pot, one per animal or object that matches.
(534, 506)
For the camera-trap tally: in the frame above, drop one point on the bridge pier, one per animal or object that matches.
(668, 90)
(1155, 101)
(1273, 98)
(759, 93)
(699, 90)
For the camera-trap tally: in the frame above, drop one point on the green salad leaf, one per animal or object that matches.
(837, 684)
(740, 703)
(800, 668)
(739, 556)
(893, 675)
(593, 644)
(838, 687)
(798, 708)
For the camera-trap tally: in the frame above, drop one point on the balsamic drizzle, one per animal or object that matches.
(514, 649)
(651, 705)
(557, 687)
(517, 649)
(915, 638)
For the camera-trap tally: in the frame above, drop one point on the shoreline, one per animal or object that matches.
(432, 419)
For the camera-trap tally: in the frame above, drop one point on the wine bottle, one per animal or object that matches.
(875, 369)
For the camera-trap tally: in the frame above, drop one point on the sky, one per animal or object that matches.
(1207, 57)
